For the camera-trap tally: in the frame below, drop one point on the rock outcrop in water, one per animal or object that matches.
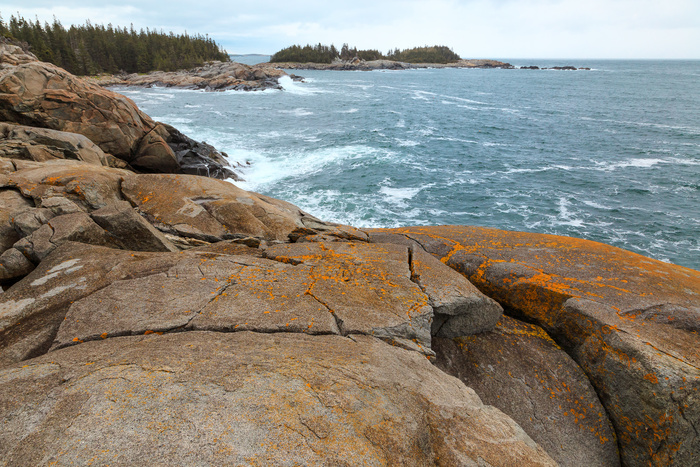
(173, 318)
(214, 76)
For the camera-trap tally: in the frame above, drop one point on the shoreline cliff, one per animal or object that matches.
(153, 313)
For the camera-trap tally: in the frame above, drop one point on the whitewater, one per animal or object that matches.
(611, 154)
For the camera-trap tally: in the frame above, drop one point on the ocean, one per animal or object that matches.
(611, 154)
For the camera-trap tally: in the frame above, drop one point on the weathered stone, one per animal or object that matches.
(38, 94)
(29, 221)
(78, 227)
(12, 204)
(6, 167)
(14, 264)
(204, 292)
(518, 369)
(88, 186)
(211, 210)
(59, 205)
(367, 288)
(12, 55)
(40, 144)
(229, 399)
(132, 232)
(629, 321)
(459, 308)
(33, 308)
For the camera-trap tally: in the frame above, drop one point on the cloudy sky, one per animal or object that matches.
(473, 28)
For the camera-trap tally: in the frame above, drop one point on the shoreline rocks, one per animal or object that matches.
(41, 95)
(214, 76)
(630, 322)
(172, 317)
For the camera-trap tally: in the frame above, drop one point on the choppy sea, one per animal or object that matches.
(611, 154)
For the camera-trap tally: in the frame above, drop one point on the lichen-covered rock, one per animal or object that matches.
(521, 371)
(39, 94)
(88, 186)
(459, 308)
(230, 399)
(629, 321)
(212, 210)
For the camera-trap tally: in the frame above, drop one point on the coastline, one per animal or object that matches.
(143, 299)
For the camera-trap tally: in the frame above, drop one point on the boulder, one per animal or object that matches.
(40, 144)
(88, 186)
(212, 210)
(231, 399)
(77, 227)
(629, 321)
(39, 94)
(130, 230)
(520, 370)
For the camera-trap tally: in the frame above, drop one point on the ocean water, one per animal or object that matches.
(611, 154)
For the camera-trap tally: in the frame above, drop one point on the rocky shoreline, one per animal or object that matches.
(362, 65)
(214, 76)
(149, 314)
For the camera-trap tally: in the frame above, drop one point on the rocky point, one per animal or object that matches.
(153, 313)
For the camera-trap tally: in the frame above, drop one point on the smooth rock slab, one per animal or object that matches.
(521, 371)
(203, 292)
(32, 310)
(629, 321)
(367, 288)
(201, 398)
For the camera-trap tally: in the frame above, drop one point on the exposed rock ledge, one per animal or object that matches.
(176, 319)
(41, 95)
(214, 76)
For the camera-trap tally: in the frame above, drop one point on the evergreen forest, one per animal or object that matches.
(91, 49)
(326, 54)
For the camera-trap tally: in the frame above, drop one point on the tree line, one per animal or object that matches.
(326, 54)
(90, 49)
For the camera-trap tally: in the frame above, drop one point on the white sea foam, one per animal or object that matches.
(406, 143)
(299, 112)
(268, 169)
(302, 89)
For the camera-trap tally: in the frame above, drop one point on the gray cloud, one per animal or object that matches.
(474, 28)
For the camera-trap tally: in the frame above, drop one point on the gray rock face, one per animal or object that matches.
(227, 399)
(521, 371)
(41, 144)
(130, 230)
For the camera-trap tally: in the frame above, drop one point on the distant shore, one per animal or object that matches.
(362, 65)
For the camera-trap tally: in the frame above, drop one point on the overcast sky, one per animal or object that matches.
(473, 28)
